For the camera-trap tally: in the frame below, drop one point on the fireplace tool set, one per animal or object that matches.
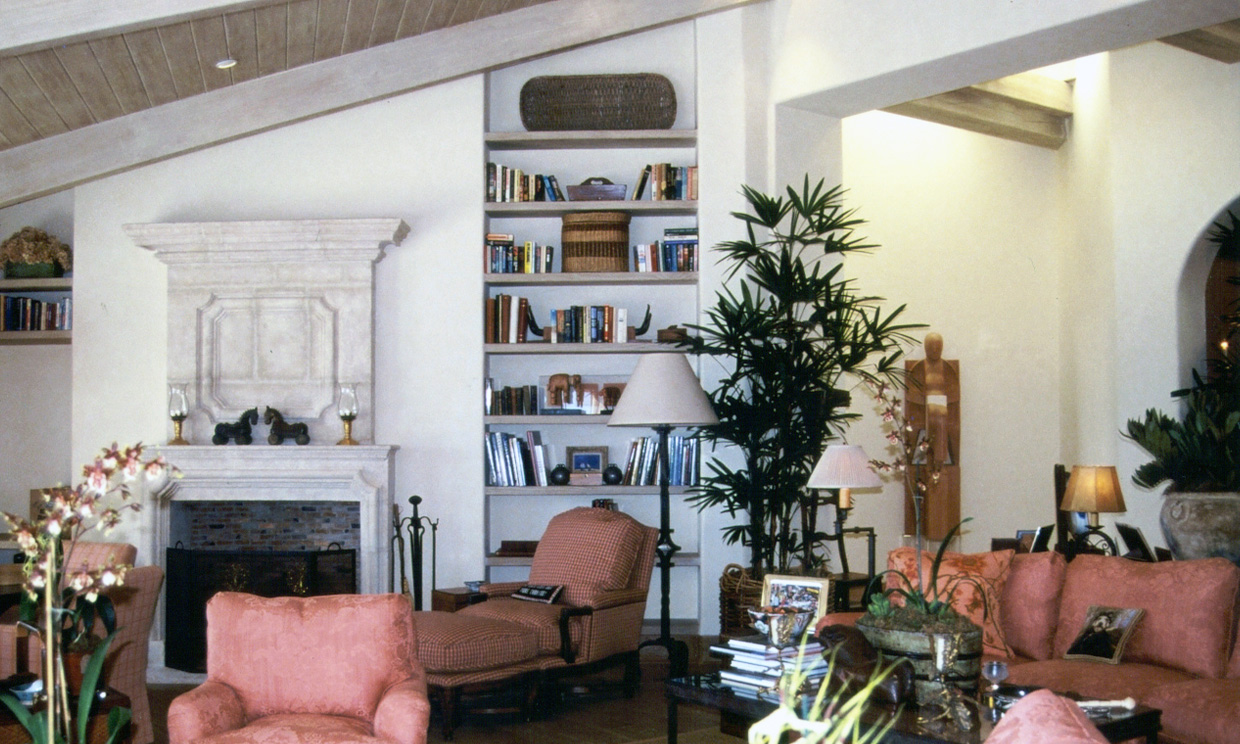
(415, 526)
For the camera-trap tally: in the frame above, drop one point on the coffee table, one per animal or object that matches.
(706, 690)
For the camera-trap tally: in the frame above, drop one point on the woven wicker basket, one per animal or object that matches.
(578, 102)
(595, 241)
(737, 593)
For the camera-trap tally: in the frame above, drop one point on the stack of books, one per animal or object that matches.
(755, 667)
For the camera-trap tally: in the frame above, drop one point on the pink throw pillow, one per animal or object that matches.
(1029, 605)
(1042, 717)
(988, 570)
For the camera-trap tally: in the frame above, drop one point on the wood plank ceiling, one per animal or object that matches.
(63, 87)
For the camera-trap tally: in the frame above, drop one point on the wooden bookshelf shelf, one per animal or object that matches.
(591, 139)
(59, 284)
(594, 279)
(28, 338)
(546, 420)
(597, 492)
(682, 207)
(542, 347)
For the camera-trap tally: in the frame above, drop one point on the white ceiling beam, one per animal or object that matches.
(1029, 108)
(55, 163)
(28, 25)
(1220, 42)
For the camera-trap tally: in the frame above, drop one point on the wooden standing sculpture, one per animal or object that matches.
(281, 429)
(932, 406)
(240, 432)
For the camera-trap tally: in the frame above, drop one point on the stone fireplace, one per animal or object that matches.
(276, 314)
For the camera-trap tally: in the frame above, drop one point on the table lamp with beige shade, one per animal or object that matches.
(1094, 490)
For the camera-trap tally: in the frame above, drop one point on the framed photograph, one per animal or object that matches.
(1042, 539)
(798, 592)
(587, 459)
(1134, 540)
(1024, 540)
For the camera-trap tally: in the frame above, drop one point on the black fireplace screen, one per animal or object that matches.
(194, 576)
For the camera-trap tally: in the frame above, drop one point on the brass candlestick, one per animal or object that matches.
(348, 430)
(177, 423)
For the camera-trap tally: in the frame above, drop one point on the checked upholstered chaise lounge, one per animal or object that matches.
(603, 560)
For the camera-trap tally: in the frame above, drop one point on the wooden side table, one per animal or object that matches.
(454, 598)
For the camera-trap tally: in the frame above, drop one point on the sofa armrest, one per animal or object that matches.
(208, 709)
(837, 618)
(601, 599)
(404, 713)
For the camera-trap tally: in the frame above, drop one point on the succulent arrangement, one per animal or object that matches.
(926, 606)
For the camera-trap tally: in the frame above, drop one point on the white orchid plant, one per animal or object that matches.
(63, 601)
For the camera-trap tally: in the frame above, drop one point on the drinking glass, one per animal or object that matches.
(996, 672)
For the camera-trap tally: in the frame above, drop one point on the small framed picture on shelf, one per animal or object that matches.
(586, 465)
(797, 592)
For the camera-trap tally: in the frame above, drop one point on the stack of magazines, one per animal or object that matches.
(754, 667)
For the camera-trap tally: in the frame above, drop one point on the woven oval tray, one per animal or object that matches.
(579, 102)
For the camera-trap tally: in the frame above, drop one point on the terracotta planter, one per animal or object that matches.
(916, 647)
(1202, 525)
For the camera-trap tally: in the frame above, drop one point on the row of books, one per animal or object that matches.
(589, 324)
(506, 184)
(642, 466)
(666, 255)
(519, 400)
(754, 667)
(507, 319)
(505, 256)
(517, 461)
(666, 182)
(19, 313)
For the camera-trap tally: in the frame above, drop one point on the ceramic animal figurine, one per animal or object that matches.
(239, 432)
(281, 429)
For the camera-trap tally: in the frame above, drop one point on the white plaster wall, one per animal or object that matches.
(416, 157)
(35, 388)
(1175, 135)
(967, 229)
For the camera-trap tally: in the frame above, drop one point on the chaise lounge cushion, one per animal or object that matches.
(459, 642)
(1182, 600)
(1029, 604)
(614, 538)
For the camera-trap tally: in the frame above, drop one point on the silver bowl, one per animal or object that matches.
(781, 628)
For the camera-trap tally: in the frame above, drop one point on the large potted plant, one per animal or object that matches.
(1198, 454)
(791, 332)
(31, 252)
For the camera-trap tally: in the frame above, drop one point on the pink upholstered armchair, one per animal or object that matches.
(325, 669)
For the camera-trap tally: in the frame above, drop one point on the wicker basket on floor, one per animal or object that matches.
(595, 241)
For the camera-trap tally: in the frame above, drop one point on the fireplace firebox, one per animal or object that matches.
(194, 576)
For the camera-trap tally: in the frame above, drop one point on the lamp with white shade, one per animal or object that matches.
(663, 393)
(842, 468)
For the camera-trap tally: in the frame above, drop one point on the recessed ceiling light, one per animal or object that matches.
(224, 64)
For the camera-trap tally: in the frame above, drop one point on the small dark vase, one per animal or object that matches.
(613, 475)
(74, 661)
(559, 475)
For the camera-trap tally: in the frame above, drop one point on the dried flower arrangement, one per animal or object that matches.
(32, 245)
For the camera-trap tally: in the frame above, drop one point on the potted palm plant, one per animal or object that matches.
(1198, 454)
(791, 333)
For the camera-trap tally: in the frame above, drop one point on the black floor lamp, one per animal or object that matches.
(663, 393)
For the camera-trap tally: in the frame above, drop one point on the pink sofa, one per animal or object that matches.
(332, 670)
(1182, 658)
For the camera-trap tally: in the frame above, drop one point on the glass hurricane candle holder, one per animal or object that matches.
(178, 410)
(347, 408)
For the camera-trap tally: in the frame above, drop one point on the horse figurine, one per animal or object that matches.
(280, 429)
(239, 432)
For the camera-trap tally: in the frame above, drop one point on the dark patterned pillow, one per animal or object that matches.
(545, 593)
(1104, 634)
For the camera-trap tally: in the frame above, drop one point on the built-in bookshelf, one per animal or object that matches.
(21, 300)
(672, 297)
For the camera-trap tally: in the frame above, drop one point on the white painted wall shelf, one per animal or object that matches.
(685, 207)
(543, 347)
(591, 139)
(35, 338)
(546, 420)
(600, 278)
